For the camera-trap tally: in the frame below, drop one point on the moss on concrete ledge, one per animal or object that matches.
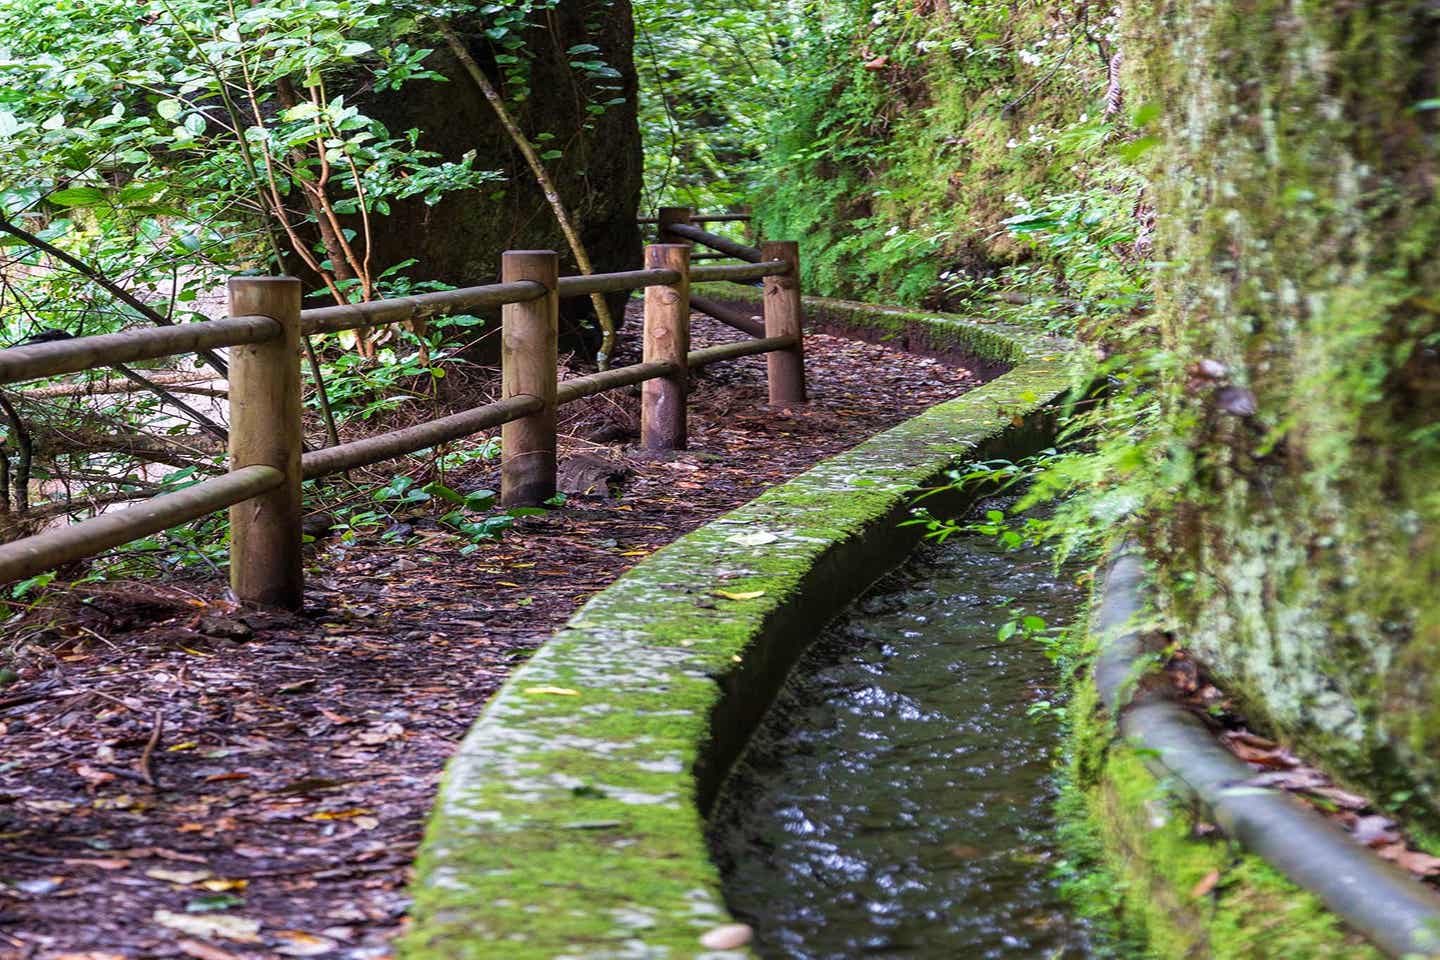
(905, 328)
(570, 822)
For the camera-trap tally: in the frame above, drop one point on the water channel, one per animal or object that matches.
(897, 800)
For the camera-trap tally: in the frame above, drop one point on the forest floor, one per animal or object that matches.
(182, 779)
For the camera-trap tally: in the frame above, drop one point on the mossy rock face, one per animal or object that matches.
(570, 822)
(1298, 214)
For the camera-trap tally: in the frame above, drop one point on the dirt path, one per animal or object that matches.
(166, 790)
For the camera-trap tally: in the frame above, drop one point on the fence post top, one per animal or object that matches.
(530, 253)
(667, 246)
(263, 281)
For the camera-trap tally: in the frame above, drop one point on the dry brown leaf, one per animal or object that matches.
(1206, 884)
(1420, 864)
(204, 951)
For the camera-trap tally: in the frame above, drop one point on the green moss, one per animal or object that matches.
(569, 822)
(987, 340)
(1302, 555)
(1150, 863)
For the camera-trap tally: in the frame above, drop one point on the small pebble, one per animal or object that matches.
(728, 937)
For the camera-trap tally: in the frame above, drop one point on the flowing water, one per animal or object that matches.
(897, 800)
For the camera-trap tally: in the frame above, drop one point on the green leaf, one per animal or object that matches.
(169, 109)
(79, 196)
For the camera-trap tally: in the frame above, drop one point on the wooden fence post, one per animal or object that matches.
(667, 338)
(669, 215)
(528, 363)
(784, 317)
(266, 567)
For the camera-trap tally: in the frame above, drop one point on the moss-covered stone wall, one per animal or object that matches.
(915, 128)
(1298, 220)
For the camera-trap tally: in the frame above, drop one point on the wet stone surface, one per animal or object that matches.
(897, 801)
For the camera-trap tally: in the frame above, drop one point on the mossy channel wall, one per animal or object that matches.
(570, 822)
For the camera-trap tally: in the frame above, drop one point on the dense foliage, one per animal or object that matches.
(152, 150)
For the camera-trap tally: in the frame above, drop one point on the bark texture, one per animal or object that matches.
(599, 177)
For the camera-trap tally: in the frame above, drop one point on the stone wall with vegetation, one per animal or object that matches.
(1241, 219)
(916, 129)
(1296, 187)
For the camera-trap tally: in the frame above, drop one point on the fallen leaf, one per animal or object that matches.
(218, 777)
(745, 595)
(220, 884)
(757, 539)
(339, 814)
(99, 864)
(1206, 884)
(297, 943)
(1343, 799)
(1420, 864)
(552, 691)
(187, 745)
(211, 925)
(204, 951)
(182, 877)
(380, 733)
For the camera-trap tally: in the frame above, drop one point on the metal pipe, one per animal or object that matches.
(1391, 908)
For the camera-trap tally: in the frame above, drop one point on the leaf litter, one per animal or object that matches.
(185, 779)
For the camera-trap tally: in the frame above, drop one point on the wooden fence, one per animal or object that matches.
(264, 329)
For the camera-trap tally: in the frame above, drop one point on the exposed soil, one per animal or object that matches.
(180, 778)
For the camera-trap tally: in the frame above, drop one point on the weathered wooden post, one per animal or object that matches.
(266, 567)
(669, 215)
(528, 362)
(785, 317)
(667, 338)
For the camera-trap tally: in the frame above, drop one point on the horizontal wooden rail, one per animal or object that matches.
(569, 391)
(267, 464)
(716, 242)
(739, 348)
(419, 307)
(739, 272)
(729, 315)
(422, 436)
(706, 218)
(615, 282)
(81, 353)
(44, 551)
